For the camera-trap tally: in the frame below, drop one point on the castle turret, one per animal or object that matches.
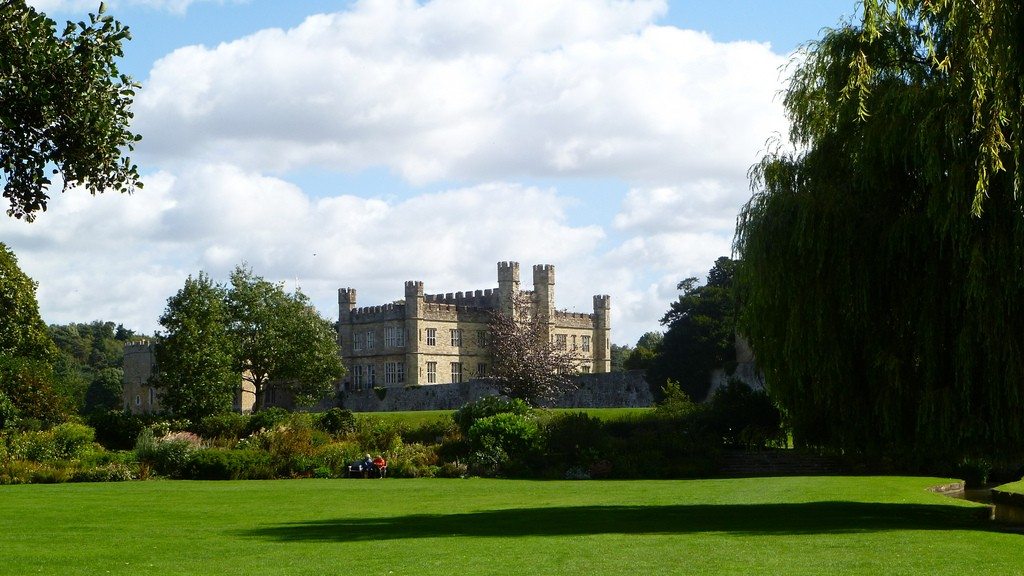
(544, 295)
(602, 333)
(413, 315)
(508, 285)
(346, 302)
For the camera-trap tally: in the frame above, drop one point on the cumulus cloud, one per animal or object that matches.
(470, 97)
(121, 258)
(458, 89)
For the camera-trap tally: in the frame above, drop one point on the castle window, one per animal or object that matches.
(481, 370)
(431, 372)
(358, 377)
(394, 337)
(357, 342)
(138, 400)
(431, 336)
(560, 341)
(481, 338)
(586, 343)
(456, 372)
(152, 397)
(586, 368)
(574, 342)
(456, 336)
(369, 340)
(394, 372)
(371, 375)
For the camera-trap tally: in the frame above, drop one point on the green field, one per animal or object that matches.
(841, 525)
(1016, 487)
(416, 418)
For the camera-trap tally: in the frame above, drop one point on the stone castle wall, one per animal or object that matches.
(606, 390)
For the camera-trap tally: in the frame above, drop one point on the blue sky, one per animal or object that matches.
(360, 144)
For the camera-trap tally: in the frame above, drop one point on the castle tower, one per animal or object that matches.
(139, 363)
(544, 296)
(413, 317)
(508, 285)
(602, 333)
(346, 304)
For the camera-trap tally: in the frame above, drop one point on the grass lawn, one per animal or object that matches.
(1016, 487)
(841, 525)
(419, 417)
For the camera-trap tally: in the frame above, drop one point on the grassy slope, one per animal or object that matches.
(1017, 487)
(476, 526)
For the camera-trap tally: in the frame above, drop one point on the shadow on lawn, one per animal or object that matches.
(806, 518)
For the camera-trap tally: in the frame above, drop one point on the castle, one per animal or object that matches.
(421, 340)
(443, 338)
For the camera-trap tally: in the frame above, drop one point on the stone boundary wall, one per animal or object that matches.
(607, 390)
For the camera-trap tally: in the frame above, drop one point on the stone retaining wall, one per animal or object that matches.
(608, 390)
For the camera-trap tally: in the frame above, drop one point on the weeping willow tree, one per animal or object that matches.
(882, 277)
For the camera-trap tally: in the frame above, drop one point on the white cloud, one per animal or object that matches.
(120, 258)
(459, 89)
(485, 94)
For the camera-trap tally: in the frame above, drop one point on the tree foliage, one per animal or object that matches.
(646, 350)
(701, 333)
(280, 340)
(525, 362)
(252, 331)
(882, 285)
(22, 331)
(27, 353)
(89, 363)
(194, 357)
(64, 107)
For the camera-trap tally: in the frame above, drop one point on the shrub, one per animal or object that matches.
(337, 422)
(740, 416)
(228, 426)
(116, 430)
(331, 460)
(111, 472)
(165, 427)
(267, 419)
(378, 434)
(414, 461)
(574, 439)
(506, 443)
(221, 464)
(432, 431)
(32, 445)
(466, 416)
(71, 440)
(167, 456)
(8, 412)
(675, 402)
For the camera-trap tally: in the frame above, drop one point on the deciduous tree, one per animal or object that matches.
(882, 286)
(701, 333)
(27, 352)
(196, 373)
(280, 340)
(525, 363)
(64, 107)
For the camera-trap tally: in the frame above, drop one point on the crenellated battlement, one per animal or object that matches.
(391, 311)
(469, 299)
(137, 346)
(602, 302)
